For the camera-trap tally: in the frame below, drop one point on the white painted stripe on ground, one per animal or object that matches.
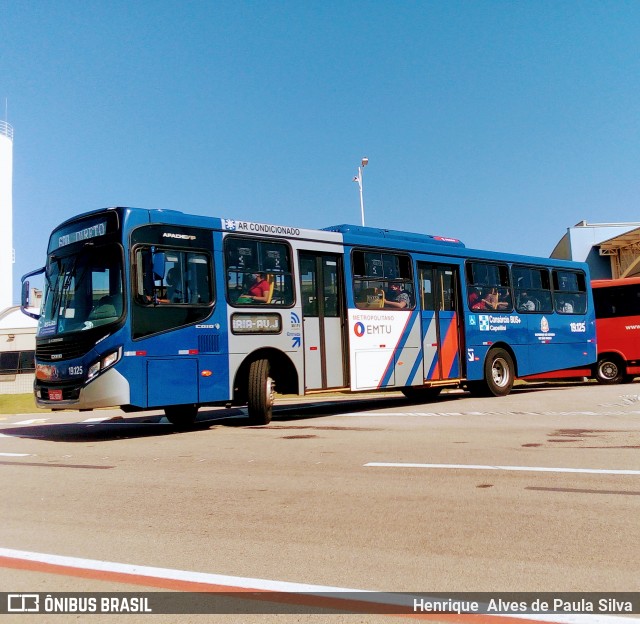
(275, 586)
(517, 468)
(512, 413)
(31, 421)
(168, 573)
(97, 419)
(15, 454)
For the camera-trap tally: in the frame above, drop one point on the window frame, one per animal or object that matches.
(284, 279)
(577, 295)
(502, 284)
(543, 295)
(24, 362)
(377, 285)
(140, 282)
(150, 315)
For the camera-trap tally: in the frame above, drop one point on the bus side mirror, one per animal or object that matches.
(26, 294)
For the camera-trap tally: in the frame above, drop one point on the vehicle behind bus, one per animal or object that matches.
(617, 310)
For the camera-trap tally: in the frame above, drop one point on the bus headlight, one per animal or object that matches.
(104, 363)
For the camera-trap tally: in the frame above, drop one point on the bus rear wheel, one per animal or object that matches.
(609, 371)
(499, 375)
(261, 392)
(181, 416)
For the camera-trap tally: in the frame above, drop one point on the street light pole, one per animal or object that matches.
(358, 179)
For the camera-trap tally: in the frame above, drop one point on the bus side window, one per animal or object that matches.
(570, 292)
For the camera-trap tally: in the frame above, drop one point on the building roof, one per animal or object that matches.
(612, 250)
(624, 250)
(13, 318)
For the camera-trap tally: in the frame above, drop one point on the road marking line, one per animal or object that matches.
(274, 591)
(516, 468)
(15, 455)
(505, 413)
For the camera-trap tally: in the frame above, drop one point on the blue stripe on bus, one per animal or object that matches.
(404, 336)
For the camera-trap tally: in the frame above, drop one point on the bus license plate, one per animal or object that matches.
(55, 395)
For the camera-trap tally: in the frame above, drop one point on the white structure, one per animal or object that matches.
(610, 249)
(17, 344)
(6, 215)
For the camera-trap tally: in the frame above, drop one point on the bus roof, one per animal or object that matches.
(604, 283)
(394, 234)
(346, 234)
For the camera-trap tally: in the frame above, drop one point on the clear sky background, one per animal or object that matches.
(499, 123)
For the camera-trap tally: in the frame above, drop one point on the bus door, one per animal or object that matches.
(439, 288)
(322, 307)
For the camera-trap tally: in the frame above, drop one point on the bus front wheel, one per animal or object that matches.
(608, 371)
(260, 395)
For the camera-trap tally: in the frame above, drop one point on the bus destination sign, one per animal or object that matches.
(93, 231)
(256, 324)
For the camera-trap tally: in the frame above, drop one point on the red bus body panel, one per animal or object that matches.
(619, 335)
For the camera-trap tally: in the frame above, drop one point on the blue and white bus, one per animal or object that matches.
(156, 309)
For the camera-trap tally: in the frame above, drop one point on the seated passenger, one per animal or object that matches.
(526, 304)
(475, 300)
(492, 300)
(174, 286)
(397, 297)
(258, 292)
(565, 306)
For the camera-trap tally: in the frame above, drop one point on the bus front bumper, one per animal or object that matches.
(110, 389)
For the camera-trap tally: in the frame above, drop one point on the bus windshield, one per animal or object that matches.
(82, 291)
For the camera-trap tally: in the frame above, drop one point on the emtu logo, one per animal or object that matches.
(358, 329)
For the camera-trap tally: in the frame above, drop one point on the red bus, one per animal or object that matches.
(617, 308)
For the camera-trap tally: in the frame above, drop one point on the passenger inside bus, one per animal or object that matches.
(565, 306)
(475, 300)
(494, 301)
(397, 296)
(525, 303)
(174, 286)
(259, 291)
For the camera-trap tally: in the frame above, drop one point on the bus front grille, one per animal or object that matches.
(67, 349)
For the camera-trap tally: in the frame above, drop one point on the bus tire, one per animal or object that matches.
(609, 371)
(499, 375)
(181, 416)
(260, 395)
(420, 394)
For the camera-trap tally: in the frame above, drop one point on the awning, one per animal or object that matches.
(624, 251)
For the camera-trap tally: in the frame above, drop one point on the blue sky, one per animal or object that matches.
(499, 123)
